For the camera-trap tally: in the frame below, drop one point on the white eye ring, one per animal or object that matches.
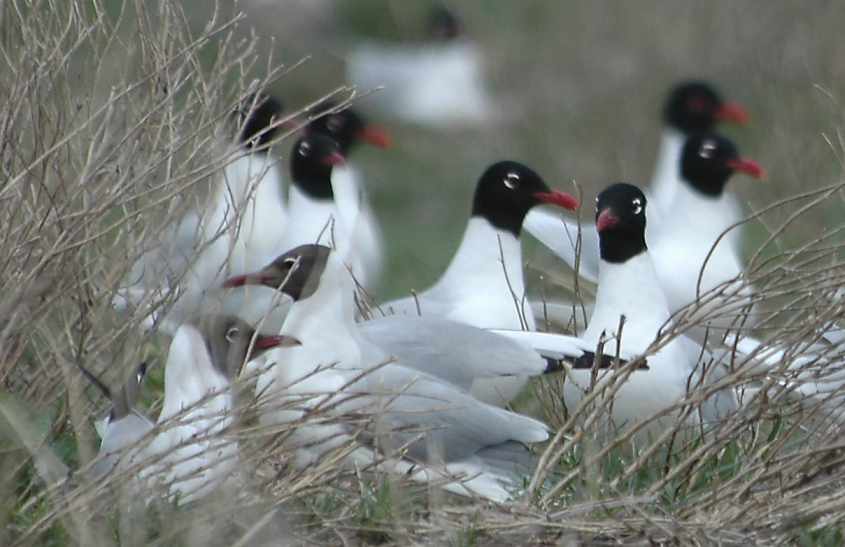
(231, 334)
(638, 205)
(304, 149)
(512, 181)
(707, 149)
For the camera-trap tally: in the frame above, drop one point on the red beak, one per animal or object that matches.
(732, 112)
(606, 220)
(561, 199)
(377, 136)
(749, 167)
(263, 341)
(248, 279)
(335, 158)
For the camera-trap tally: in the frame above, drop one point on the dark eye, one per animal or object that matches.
(707, 149)
(304, 149)
(231, 334)
(512, 181)
(638, 205)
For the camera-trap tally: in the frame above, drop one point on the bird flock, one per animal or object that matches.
(293, 253)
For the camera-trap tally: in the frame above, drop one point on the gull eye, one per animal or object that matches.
(707, 149)
(638, 205)
(232, 333)
(304, 149)
(511, 181)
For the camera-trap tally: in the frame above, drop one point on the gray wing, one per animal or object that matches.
(560, 235)
(436, 420)
(118, 435)
(426, 303)
(449, 350)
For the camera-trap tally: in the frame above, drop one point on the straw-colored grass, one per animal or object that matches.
(115, 121)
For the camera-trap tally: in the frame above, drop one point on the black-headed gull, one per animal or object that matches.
(349, 129)
(628, 286)
(691, 107)
(236, 232)
(439, 82)
(681, 237)
(124, 425)
(318, 213)
(187, 456)
(435, 345)
(483, 285)
(442, 429)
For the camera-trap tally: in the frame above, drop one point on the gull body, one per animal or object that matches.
(483, 285)
(238, 230)
(349, 130)
(438, 83)
(691, 108)
(682, 239)
(629, 287)
(441, 428)
(124, 426)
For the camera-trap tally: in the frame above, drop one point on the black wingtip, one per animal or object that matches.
(586, 362)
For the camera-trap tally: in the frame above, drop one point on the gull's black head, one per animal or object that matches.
(443, 25)
(231, 342)
(620, 222)
(296, 273)
(348, 128)
(508, 190)
(695, 106)
(312, 160)
(256, 115)
(708, 160)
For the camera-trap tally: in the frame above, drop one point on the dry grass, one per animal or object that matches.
(113, 127)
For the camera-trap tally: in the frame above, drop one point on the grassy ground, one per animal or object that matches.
(580, 83)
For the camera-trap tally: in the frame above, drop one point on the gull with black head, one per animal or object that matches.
(483, 285)
(439, 82)
(349, 128)
(628, 287)
(237, 230)
(443, 430)
(692, 107)
(681, 238)
(189, 455)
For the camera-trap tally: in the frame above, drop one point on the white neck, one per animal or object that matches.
(243, 179)
(667, 171)
(483, 277)
(487, 258)
(630, 289)
(189, 374)
(325, 325)
(330, 307)
(309, 219)
(700, 217)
